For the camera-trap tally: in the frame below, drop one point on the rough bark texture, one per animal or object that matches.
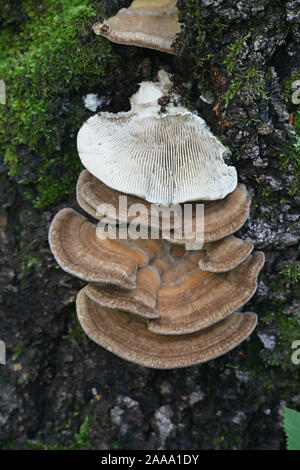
(60, 390)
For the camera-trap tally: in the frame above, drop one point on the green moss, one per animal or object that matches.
(254, 205)
(35, 446)
(234, 49)
(268, 196)
(219, 443)
(248, 81)
(48, 190)
(11, 159)
(81, 440)
(297, 121)
(196, 34)
(18, 350)
(32, 260)
(291, 273)
(28, 256)
(115, 445)
(225, 68)
(287, 331)
(285, 327)
(292, 158)
(6, 444)
(192, 10)
(291, 161)
(74, 330)
(273, 369)
(45, 60)
(288, 89)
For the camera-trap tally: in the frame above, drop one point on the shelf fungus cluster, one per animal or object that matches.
(152, 300)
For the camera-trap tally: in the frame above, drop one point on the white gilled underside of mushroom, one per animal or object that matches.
(165, 157)
(151, 301)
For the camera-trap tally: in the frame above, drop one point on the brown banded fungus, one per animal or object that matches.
(128, 337)
(164, 157)
(150, 300)
(97, 199)
(164, 286)
(224, 255)
(146, 23)
(221, 218)
(80, 252)
(189, 300)
(185, 299)
(141, 300)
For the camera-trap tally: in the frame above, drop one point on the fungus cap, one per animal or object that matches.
(141, 300)
(165, 158)
(146, 23)
(101, 201)
(128, 337)
(185, 299)
(189, 300)
(79, 251)
(225, 255)
(221, 218)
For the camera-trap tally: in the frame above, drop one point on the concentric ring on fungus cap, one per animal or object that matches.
(186, 299)
(225, 255)
(141, 300)
(221, 218)
(79, 251)
(128, 337)
(190, 299)
(168, 288)
(95, 198)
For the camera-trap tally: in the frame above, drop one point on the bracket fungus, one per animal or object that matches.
(141, 300)
(149, 299)
(146, 23)
(80, 252)
(184, 299)
(153, 302)
(222, 217)
(196, 299)
(164, 157)
(224, 255)
(172, 290)
(101, 201)
(128, 337)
